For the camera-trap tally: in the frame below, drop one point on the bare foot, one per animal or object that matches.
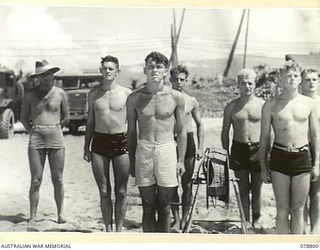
(257, 224)
(61, 220)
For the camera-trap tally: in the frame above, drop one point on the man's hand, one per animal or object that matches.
(87, 155)
(199, 154)
(180, 168)
(314, 173)
(266, 176)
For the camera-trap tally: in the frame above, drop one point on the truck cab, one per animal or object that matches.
(77, 87)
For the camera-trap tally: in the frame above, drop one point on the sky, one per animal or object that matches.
(75, 38)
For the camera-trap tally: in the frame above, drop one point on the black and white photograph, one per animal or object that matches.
(173, 120)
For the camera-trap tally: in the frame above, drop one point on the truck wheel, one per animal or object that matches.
(6, 124)
(73, 128)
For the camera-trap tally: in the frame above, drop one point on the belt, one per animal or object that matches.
(46, 126)
(291, 149)
(247, 143)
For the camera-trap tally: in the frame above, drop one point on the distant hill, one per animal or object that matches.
(203, 68)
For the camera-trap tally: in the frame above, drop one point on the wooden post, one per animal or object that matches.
(234, 45)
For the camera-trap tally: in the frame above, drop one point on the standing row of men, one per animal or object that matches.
(157, 116)
(291, 123)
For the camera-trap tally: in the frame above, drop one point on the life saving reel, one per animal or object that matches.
(214, 172)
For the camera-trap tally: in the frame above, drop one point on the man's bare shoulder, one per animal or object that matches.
(231, 104)
(259, 101)
(59, 91)
(126, 90)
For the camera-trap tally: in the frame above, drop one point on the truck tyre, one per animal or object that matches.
(73, 128)
(6, 124)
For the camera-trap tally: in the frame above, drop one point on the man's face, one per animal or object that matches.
(45, 81)
(291, 79)
(246, 86)
(178, 81)
(155, 71)
(109, 70)
(310, 82)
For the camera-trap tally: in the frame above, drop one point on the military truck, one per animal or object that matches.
(77, 87)
(11, 94)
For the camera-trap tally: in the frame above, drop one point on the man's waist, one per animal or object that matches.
(247, 143)
(46, 126)
(290, 148)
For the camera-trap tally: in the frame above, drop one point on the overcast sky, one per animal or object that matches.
(76, 37)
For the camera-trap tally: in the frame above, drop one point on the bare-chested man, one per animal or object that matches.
(293, 118)
(309, 86)
(244, 114)
(106, 130)
(153, 159)
(44, 113)
(178, 78)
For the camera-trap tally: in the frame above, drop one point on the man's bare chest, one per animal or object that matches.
(158, 106)
(110, 102)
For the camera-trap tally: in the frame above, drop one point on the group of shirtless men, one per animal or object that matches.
(148, 133)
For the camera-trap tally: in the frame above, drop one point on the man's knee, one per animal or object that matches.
(57, 180)
(121, 193)
(105, 194)
(36, 183)
(315, 198)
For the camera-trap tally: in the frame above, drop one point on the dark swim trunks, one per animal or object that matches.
(290, 163)
(241, 154)
(191, 146)
(109, 145)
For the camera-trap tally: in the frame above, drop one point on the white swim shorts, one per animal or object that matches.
(156, 164)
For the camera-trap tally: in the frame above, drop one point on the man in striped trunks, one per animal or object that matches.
(44, 113)
(293, 118)
(106, 131)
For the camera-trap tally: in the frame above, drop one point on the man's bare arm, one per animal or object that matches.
(90, 125)
(25, 112)
(314, 141)
(132, 131)
(65, 116)
(265, 141)
(200, 127)
(226, 127)
(181, 131)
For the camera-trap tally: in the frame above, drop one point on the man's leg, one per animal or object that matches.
(244, 189)
(37, 159)
(56, 162)
(315, 207)
(164, 195)
(187, 189)
(175, 209)
(281, 188)
(121, 169)
(256, 184)
(100, 168)
(300, 185)
(148, 197)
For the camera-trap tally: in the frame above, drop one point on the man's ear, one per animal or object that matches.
(144, 70)
(100, 70)
(166, 72)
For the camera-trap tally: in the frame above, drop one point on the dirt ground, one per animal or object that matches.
(82, 199)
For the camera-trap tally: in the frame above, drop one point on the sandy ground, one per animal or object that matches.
(82, 199)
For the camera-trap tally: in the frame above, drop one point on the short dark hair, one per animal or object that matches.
(310, 70)
(109, 58)
(158, 58)
(290, 65)
(179, 69)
